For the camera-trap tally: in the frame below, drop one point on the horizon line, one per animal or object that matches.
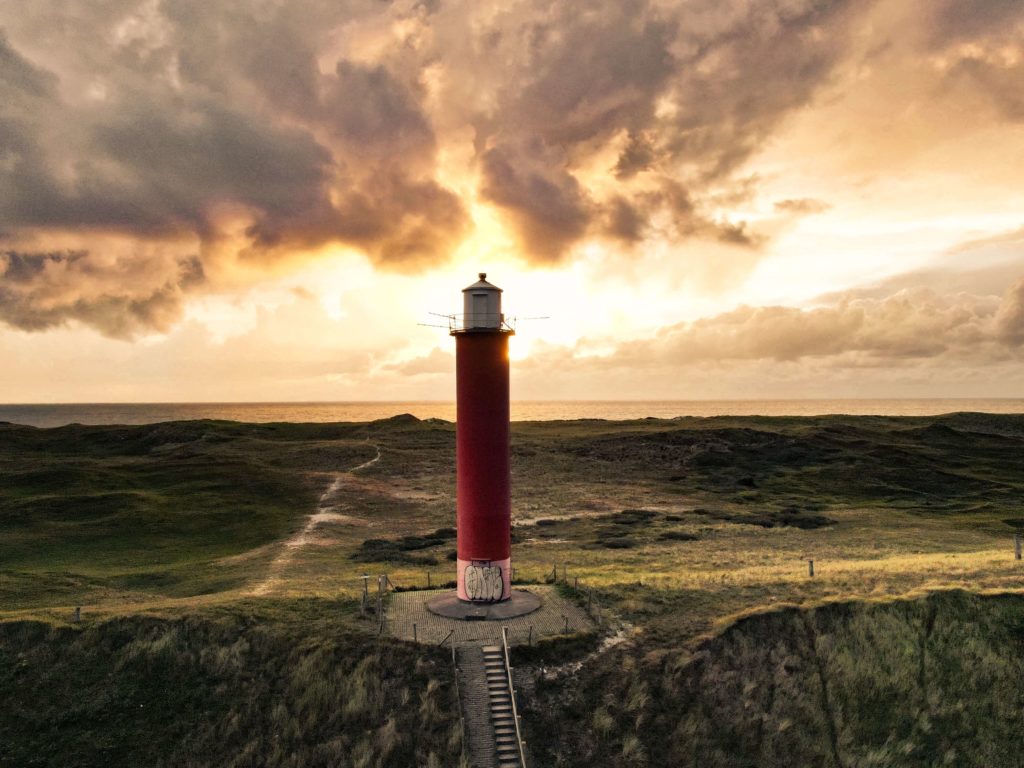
(514, 401)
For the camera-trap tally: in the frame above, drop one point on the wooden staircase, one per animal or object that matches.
(499, 695)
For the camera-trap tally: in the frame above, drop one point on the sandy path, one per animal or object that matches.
(324, 514)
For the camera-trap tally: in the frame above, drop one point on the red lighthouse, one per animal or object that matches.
(482, 464)
(483, 474)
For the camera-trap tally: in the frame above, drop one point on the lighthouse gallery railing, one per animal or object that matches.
(481, 321)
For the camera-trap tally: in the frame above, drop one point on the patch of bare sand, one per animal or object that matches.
(308, 534)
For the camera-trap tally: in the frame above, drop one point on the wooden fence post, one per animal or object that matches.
(810, 568)
(1016, 545)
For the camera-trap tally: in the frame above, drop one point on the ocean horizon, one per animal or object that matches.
(61, 414)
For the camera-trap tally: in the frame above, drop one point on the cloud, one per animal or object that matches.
(686, 93)
(1010, 317)
(546, 202)
(235, 134)
(435, 361)
(119, 296)
(19, 75)
(801, 206)
(905, 328)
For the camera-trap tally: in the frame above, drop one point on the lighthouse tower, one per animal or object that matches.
(482, 471)
(483, 475)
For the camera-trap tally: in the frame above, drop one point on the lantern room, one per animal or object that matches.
(481, 306)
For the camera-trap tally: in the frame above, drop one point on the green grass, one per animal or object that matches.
(228, 689)
(90, 510)
(928, 682)
(693, 535)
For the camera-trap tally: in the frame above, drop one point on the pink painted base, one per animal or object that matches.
(489, 581)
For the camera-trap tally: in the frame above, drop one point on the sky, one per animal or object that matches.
(218, 200)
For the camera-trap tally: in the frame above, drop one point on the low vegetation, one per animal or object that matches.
(189, 543)
(222, 691)
(928, 682)
(87, 512)
(398, 550)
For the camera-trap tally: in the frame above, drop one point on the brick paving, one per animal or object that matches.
(556, 616)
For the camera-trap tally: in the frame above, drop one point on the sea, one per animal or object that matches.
(55, 415)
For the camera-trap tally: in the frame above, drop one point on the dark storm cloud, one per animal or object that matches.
(146, 171)
(956, 21)
(980, 44)
(745, 68)
(689, 92)
(179, 122)
(625, 221)
(371, 110)
(678, 216)
(264, 128)
(547, 203)
(19, 74)
(159, 158)
(398, 221)
(39, 291)
(590, 72)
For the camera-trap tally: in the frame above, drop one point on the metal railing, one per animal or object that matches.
(464, 749)
(512, 696)
(483, 321)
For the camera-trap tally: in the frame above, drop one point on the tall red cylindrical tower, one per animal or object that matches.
(482, 445)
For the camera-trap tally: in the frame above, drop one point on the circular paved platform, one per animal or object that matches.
(451, 607)
(409, 619)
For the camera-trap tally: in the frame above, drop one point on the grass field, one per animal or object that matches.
(682, 528)
(296, 685)
(924, 682)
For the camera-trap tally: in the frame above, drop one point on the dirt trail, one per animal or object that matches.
(324, 514)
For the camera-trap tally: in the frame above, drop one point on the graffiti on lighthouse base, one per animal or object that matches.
(484, 581)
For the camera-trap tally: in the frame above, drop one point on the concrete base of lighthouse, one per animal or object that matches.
(451, 607)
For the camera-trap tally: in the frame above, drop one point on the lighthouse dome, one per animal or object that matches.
(481, 305)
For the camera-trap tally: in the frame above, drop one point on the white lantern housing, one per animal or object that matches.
(481, 306)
